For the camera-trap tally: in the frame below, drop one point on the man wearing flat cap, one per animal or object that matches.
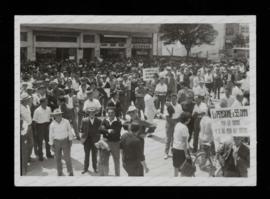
(90, 134)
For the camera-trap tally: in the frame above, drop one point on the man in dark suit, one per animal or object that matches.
(234, 158)
(90, 134)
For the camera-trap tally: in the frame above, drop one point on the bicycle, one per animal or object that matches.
(204, 160)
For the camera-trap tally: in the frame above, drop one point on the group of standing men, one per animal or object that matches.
(65, 107)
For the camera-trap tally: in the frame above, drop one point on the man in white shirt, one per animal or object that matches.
(41, 118)
(161, 92)
(174, 112)
(199, 108)
(91, 102)
(41, 93)
(201, 89)
(228, 100)
(61, 140)
(206, 137)
(26, 132)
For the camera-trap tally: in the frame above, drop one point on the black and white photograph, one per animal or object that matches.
(135, 100)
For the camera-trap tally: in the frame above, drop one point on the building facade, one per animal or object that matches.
(53, 43)
(231, 49)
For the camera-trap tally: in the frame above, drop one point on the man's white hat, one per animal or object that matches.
(131, 108)
(25, 96)
(56, 112)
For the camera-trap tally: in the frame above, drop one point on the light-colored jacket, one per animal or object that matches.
(150, 109)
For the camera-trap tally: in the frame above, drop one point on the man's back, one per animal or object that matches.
(130, 145)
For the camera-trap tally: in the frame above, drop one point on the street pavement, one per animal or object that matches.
(154, 155)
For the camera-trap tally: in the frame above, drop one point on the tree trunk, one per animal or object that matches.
(188, 49)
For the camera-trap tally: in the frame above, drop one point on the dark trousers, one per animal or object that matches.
(43, 134)
(170, 124)
(196, 133)
(24, 154)
(30, 142)
(140, 103)
(133, 168)
(161, 102)
(90, 146)
(71, 116)
(209, 87)
(35, 141)
(190, 128)
(65, 146)
(80, 117)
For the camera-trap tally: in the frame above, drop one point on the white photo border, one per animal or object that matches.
(137, 181)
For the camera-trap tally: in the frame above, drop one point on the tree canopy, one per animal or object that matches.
(189, 35)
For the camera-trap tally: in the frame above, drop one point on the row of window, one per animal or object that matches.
(86, 39)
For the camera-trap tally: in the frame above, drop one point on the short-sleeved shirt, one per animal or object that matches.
(177, 110)
(161, 89)
(200, 108)
(200, 91)
(93, 104)
(42, 115)
(180, 136)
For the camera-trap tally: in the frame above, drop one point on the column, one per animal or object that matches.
(79, 54)
(31, 48)
(159, 45)
(97, 48)
(129, 47)
(79, 49)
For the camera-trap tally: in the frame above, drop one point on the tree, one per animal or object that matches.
(239, 40)
(189, 35)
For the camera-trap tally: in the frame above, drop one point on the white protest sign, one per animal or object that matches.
(148, 73)
(230, 121)
(71, 57)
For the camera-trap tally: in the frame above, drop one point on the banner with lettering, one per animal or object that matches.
(148, 73)
(230, 121)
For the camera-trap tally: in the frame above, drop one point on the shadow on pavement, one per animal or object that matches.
(158, 139)
(37, 167)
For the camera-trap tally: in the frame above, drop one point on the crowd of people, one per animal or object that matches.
(93, 101)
